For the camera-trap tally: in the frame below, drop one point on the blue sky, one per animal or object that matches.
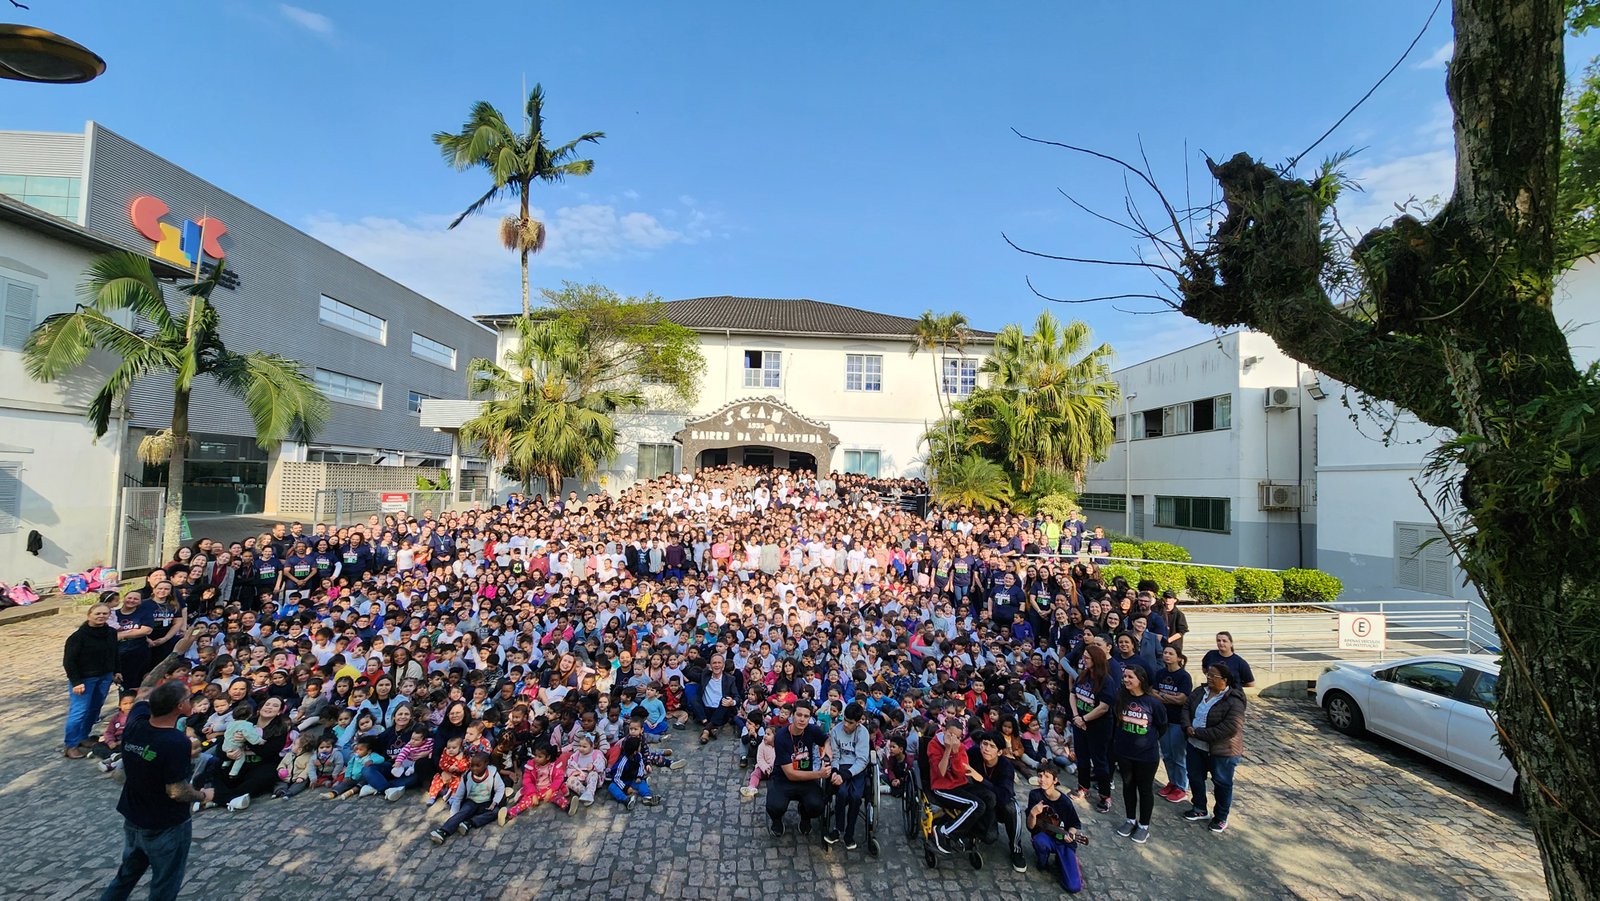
(858, 153)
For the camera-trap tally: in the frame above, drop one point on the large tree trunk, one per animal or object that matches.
(172, 522)
(1462, 335)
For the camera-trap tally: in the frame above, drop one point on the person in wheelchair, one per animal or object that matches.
(997, 778)
(949, 776)
(799, 769)
(848, 746)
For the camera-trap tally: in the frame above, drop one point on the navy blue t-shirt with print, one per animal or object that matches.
(1241, 670)
(1137, 735)
(804, 752)
(267, 572)
(152, 759)
(1058, 817)
(1179, 681)
(1086, 696)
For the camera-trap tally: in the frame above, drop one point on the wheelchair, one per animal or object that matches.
(869, 806)
(920, 816)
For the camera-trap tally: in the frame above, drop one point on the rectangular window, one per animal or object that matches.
(1177, 419)
(1223, 417)
(654, 460)
(1105, 503)
(53, 194)
(763, 369)
(1422, 559)
(326, 456)
(1203, 514)
(21, 305)
(1151, 428)
(10, 497)
(414, 401)
(349, 389)
(358, 322)
(863, 372)
(1204, 414)
(960, 376)
(861, 462)
(432, 351)
(1119, 429)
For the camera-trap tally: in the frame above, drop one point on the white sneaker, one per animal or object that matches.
(239, 803)
(394, 792)
(367, 791)
(747, 793)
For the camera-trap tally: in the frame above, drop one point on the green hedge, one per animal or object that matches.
(1125, 549)
(1112, 570)
(1311, 585)
(1214, 586)
(1257, 585)
(1161, 550)
(1167, 576)
(1059, 506)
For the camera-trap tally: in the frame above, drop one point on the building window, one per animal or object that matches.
(414, 401)
(10, 497)
(21, 306)
(1149, 424)
(1222, 404)
(346, 318)
(763, 369)
(1203, 514)
(432, 351)
(1104, 503)
(960, 376)
(56, 195)
(1422, 559)
(1207, 414)
(863, 372)
(1119, 429)
(348, 388)
(861, 462)
(654, 460)
(327, 456)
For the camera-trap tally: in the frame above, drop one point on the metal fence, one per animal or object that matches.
(1290, 635)
(143, 517)
(347, 506)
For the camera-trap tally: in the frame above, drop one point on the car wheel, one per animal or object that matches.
(1343, 713)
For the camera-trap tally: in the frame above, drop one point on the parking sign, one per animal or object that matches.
(1362, 631)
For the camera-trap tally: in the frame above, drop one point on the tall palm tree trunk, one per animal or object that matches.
(522, 227)
(172, 521)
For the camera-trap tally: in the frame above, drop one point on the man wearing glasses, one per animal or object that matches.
(847, 747)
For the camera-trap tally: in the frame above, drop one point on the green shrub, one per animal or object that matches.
(1167, 576)
(1059, 506)
(1125, 570)
(1257, 586)
(1116, 537)
(1161, 550)
(1126, 550)
(1214, 586)
(1311, 585)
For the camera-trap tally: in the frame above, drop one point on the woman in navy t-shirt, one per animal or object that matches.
(1136, 741)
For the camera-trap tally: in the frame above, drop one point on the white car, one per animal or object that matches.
(1437, 704)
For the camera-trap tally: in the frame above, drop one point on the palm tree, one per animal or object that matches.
(515, 161)
(938, 334)
(539, 417)
(280, 398)
(973, 481)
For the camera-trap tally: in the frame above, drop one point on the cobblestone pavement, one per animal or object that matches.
(1317, 816)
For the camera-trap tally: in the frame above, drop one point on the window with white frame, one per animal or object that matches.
(1422, 559)
(763, 369)
(349, 389)
(433, 351)
(21, 305)
(1201, 514)
(960, 376)
(863, 372)
(861, 462)
(414, 401)
(342, 316)
(654, 460)
(10, 497)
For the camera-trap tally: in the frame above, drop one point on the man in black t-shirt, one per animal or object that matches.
(156, 793)
(798, 770)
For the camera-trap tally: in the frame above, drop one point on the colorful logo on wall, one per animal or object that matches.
(184, 246)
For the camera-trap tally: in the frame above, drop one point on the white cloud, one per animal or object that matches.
(314, 22)
(1425, 177)
(467, 269)
(1439, 57)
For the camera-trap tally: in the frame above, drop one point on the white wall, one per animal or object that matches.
(68, 479)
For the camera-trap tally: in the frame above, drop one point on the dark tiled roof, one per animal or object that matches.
(786, 317)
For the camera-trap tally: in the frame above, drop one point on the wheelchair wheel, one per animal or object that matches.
(909, 813)
(931, 859)
(975, 858)
(873, 848)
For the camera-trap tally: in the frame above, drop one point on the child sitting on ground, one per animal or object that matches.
(240, 733)
(109, 745)
(766, 756)
(296, 765)
(897, 767)
(364, 754)
(630, 776)
(452, 764)
(543, 780)
(473, 803)
(585, 766)
(655, 720)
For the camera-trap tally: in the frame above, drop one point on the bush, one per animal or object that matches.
(1214, 586)
(1115, 537)
(1167, 576)
(1311, 585)
(1112, 570)
(1257, 586)
(1059, 506)
(1161, 550)
(1126, 550)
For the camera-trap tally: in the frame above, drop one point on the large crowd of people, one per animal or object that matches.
(490, 662)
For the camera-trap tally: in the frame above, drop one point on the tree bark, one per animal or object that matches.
(1463, 336)
(172, 521)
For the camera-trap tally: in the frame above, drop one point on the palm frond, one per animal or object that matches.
(124, 281)
(281, 399)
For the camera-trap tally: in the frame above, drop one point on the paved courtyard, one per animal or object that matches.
(1317, 816)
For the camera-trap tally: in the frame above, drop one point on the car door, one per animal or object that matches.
(1472, 741)
(1413, 705)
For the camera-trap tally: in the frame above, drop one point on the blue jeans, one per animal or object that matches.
(1220, 769)
(620, 793)
(1064, 854)
(691, 700)
(377, 776)
(164, 852)
(847, 803)
(83, 711)
(1175, 752)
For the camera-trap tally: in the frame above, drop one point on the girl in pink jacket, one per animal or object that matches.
(585, 766)
(543, 780)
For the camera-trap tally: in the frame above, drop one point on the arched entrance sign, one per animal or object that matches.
(764, 421)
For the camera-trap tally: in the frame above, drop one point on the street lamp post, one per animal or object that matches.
(1127, 464)
(33, 54)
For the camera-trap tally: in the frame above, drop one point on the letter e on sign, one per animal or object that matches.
(1362, 631)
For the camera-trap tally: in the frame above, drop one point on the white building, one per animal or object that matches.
(1222, 459)
(796, 384)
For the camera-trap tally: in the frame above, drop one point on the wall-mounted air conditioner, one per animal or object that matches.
(1278, 496)
(1282, 398)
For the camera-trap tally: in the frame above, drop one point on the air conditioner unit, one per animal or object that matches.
(1277, 496)
(1283, 398)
